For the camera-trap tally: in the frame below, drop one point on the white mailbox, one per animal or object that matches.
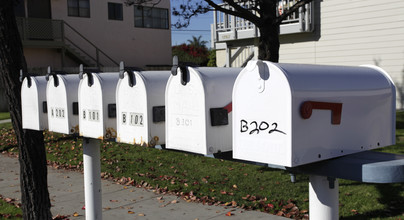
(63, 109)
(140, 107)
(97, 108)
(198, 109)
(33, 103)
(291, 114)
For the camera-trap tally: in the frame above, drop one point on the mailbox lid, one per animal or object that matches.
(33, 103)
(93, 105)
(60, 98)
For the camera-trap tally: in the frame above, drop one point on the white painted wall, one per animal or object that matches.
(120, 39)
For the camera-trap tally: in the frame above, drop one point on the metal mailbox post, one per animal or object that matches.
(198, 109)
(62, 96)
(291, 114)
(33, 103)
(140, 107)
(305, 117)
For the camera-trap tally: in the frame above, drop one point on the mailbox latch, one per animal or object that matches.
(219, 116)
(111, 110)
(159, 114)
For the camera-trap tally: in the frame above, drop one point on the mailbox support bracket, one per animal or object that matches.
(366, 166)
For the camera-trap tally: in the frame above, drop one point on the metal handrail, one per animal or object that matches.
(71, 42)
(95, 47)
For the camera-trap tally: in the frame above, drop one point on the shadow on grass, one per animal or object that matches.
(390, 198)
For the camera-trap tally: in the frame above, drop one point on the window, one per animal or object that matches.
(115, 11)
(150, 17)
(78, 8)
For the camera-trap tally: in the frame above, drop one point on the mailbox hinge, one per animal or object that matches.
(130, 71)
(183, 70)
(89, 75)
(22, 75)
(54, 74)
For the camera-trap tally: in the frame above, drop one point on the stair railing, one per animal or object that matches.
(75, 39)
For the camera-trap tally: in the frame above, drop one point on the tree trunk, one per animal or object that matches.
(32, 156)
(268, 47)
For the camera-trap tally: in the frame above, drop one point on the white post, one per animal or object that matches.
(92, 178)
(323, 198)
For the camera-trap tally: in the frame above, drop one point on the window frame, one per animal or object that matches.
(78, 7)
(152, 22)
(115, 6)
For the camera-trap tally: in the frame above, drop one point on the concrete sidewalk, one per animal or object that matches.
(66, 189)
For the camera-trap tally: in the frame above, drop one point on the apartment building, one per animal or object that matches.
(345, 32)
(96, 33)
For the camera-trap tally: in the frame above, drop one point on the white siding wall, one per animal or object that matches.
(353, 32)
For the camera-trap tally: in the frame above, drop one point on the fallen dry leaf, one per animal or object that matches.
(76, 214)
(141, 214)
(229, 214)
(174, 201)
(130, 212)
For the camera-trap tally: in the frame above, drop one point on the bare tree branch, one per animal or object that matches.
(242, 13)
(291, 10)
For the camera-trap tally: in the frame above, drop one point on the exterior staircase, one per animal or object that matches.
(59, 35)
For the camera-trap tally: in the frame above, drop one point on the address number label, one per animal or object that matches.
(91, 115)
(136, 119)
(58, 112)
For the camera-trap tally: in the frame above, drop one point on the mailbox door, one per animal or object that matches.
(132, 111)
(218, 84)
(155, 83)
(108, 82)
(91, 108)
(63, 117)
(186, 114)
(262, 115)
(33, 101)
(72, 89)
(58, 112)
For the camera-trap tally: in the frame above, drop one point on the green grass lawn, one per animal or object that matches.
(9, 209)
(223, 182)
(4, 115)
